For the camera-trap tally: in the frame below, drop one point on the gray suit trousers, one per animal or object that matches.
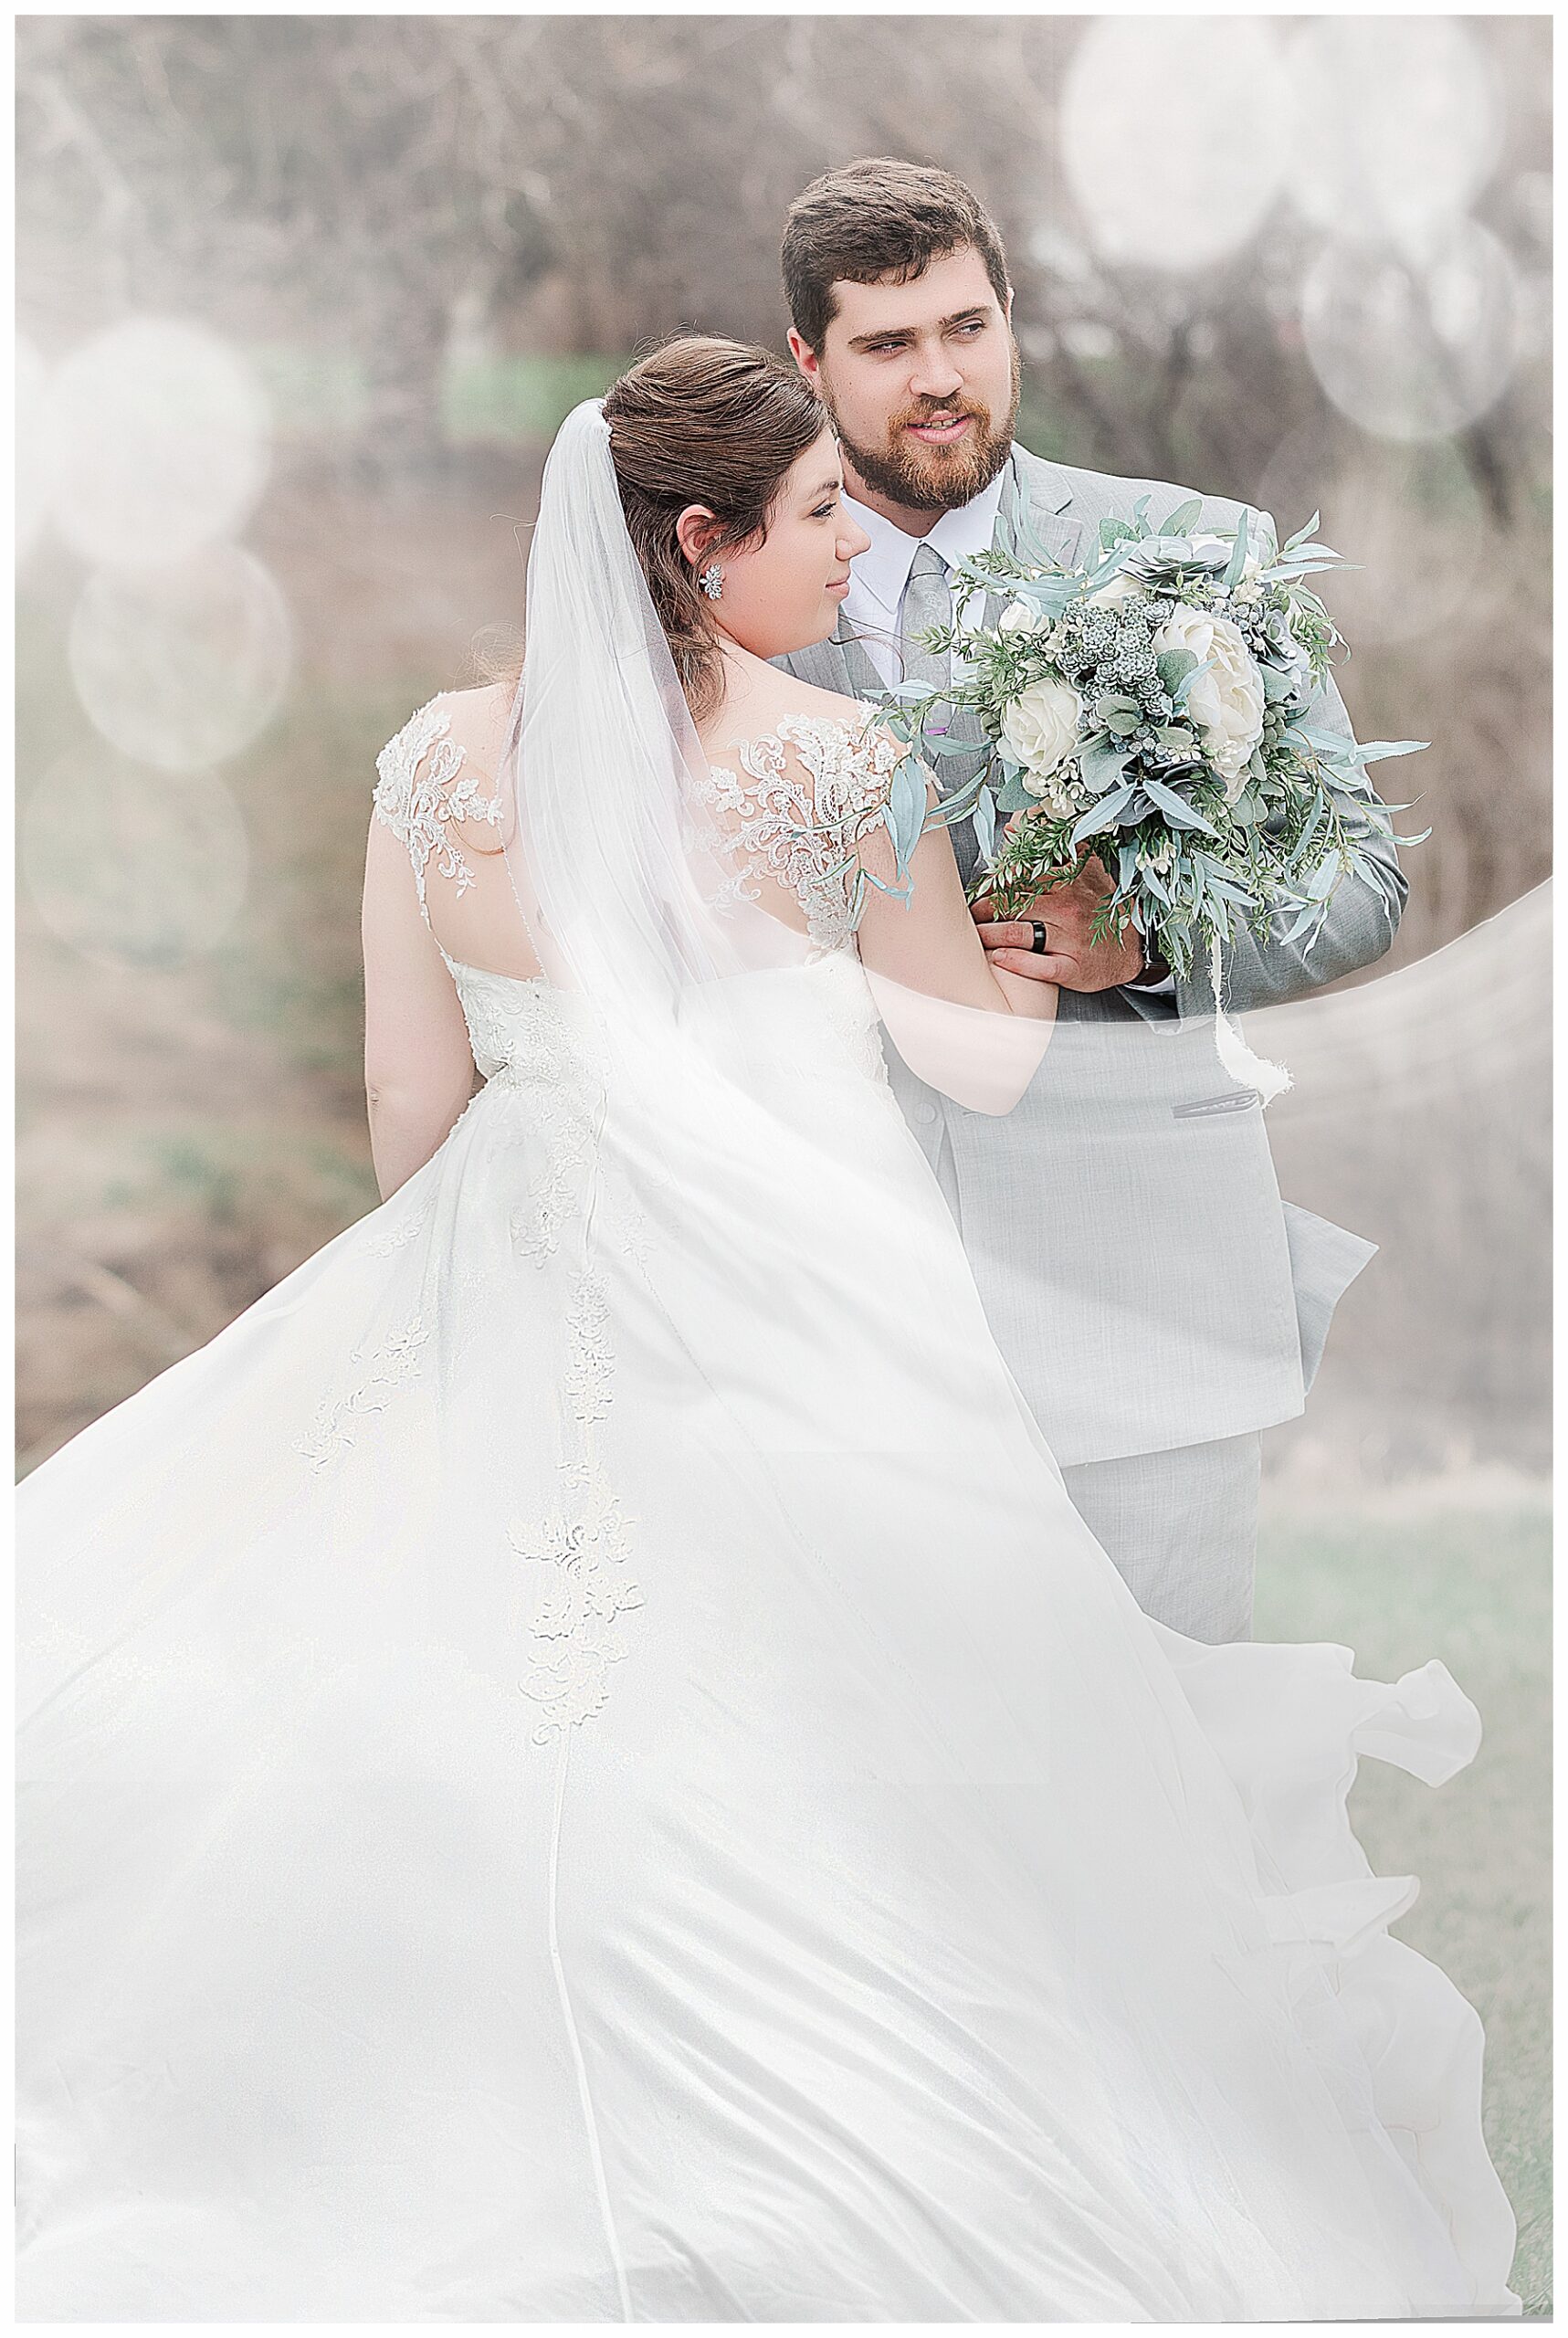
(1181, 1528)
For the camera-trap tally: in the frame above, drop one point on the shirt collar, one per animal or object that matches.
(884, 567)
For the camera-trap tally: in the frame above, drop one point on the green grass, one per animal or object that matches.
(1472, 1586)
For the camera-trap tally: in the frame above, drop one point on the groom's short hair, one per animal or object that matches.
(875, 219)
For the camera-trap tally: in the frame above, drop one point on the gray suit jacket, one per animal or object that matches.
(1145, 1282)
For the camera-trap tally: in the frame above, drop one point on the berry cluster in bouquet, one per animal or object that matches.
(1152, 705)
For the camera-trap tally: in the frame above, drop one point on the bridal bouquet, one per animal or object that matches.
(1151, 705)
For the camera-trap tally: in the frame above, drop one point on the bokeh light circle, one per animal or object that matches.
(35, 445)
(182, 667)
(1398, 125)
(164, 435)
(1172, 135)
(134, 869)
(1413, 349)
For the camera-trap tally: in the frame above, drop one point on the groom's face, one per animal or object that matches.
(921, 380)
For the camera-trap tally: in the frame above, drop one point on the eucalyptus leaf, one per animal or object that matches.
(1183, 687)
(1379, 750)
(1173, 666)
(1180, 814)
(1049, 595)
(1105, 813)
(1313, 914)
(1183, 517)
(1102, 766)
(947, 748)
(906, 809)
(985, 825)
(1237, 561)
(1324, 878)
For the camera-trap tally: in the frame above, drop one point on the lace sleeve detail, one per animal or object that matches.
(813, 788)
(422, 792)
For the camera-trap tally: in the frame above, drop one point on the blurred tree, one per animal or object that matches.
(400, 193)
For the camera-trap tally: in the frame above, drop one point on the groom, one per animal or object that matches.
(1158, 1303)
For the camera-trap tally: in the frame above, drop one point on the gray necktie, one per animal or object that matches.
(928, 601)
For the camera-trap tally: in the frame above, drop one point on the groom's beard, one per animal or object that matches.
(936, 479)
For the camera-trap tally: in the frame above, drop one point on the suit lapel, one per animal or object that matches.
(1043, 496)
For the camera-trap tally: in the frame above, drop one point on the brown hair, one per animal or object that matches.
(703, 421)
(876, 219)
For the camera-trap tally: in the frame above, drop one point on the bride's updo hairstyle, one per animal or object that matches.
(712, 422)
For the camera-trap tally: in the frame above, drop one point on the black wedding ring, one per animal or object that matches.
(1038, 945)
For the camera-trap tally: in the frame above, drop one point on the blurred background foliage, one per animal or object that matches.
(303, 300)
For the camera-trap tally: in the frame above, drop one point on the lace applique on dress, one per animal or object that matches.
(580, 1547)
(800, 819)
(422, 806)
(576, 1635)
(382, 1369)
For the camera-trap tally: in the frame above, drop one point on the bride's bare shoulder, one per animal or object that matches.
(762, 714)
(478, 717)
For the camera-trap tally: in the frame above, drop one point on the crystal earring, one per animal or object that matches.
(711, 580)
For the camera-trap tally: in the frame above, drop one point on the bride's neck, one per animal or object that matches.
(744, 677)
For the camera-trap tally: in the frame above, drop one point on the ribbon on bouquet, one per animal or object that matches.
(1246, 1068)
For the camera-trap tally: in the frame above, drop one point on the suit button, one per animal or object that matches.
(926, 1115)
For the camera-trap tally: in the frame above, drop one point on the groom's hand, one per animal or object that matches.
(1070, 957)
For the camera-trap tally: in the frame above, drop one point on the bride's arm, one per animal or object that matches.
(962, 1025)
(418, 1065)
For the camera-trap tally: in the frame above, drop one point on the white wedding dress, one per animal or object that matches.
(578, 1764)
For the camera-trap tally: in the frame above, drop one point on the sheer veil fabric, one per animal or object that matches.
(577, 1763)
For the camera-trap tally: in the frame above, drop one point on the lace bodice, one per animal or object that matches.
(423, 792)
(812, 788)
(802, 815)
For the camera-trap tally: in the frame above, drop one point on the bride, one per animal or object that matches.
(577, 1762)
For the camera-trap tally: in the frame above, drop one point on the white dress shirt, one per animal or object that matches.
(880, 576)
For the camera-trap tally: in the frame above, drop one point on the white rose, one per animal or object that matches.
(1115, 592)
(1226, 703)
(1039, 729)
(1019, 617)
